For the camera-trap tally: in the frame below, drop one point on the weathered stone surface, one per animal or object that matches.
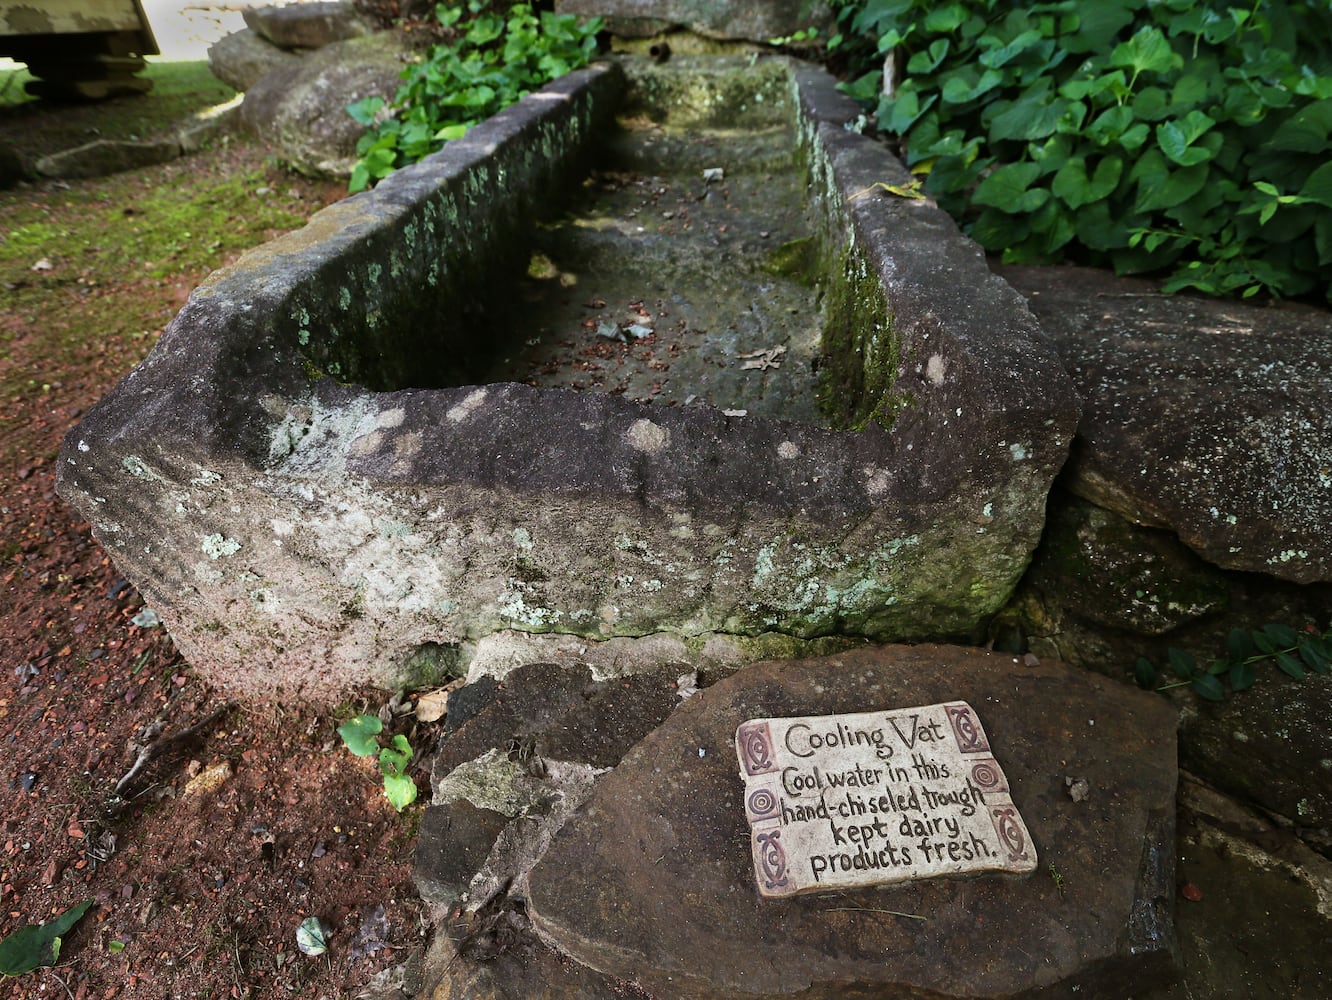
(107, 156)
(301, 110)
(1205, 417)
(307, 25)
(1101, 592)
(651, 880)
(561, 713)
(753, 20)
(455, 839)
(243, 58)
(278, 518)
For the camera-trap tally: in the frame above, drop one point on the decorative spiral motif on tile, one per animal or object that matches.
(969, 737)
(1010, 832)
(762, 803)
(772, 858)
(987, 776)
(756, 745)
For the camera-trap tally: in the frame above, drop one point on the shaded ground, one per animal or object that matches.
(207, 859)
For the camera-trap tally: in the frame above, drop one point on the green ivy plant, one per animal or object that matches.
(1294, 652)
(361, 736)
(493, 60)
(1187, 137)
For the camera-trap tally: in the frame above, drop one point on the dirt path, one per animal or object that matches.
(203, 864)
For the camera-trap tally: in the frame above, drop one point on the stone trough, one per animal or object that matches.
(314, 484)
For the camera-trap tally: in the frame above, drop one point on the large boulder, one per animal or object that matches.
(308, 25)
(243, 58)
(300, 111)
(652, 880)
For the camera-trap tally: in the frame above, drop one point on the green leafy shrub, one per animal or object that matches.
(1181, 136)
(1293, 652)
(491, 60)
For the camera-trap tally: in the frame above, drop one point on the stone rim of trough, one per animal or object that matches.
(970, 345)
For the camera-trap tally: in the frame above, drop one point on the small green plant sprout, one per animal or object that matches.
(1058, 879)
(361, 737)
(1293, 651)
(37, 945)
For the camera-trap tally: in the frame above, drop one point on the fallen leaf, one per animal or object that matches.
(311, 937)
(1191, 892)
(762, 360)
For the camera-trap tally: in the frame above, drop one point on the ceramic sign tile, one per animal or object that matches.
(840, 801)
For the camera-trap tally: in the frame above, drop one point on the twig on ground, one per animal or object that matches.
(162, 744)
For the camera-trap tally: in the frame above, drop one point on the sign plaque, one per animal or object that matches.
(843, 801)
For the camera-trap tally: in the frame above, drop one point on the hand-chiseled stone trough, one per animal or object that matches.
(305, 484)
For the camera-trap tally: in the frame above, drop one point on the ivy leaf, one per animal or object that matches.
(359, 734)
(1306, 131)
(964, 85)
(1317, 660)
(1282, 635)
(400, 790)
(1075, 188)
(1148, 51)
(1176, 138)
(1009, 188)
(1239, 644)
(1033, 116)
(1318, 186)
(36, 945)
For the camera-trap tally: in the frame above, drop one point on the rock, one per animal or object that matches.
(107, 156)
(1205, 417)
(652, 880)
(1121, 576)
(524, 751)
(243, 58)
(1102, 592)
(556, 713)
(307, 25)
(455, 840)
(12, 168)
(300, 111)
(752, 20)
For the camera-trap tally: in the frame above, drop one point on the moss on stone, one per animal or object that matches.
(861, 349)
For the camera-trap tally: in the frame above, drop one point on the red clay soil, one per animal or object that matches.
(241, 821)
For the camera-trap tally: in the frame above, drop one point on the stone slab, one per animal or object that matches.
(846, 801)
(652, 880)
(1206, 417)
